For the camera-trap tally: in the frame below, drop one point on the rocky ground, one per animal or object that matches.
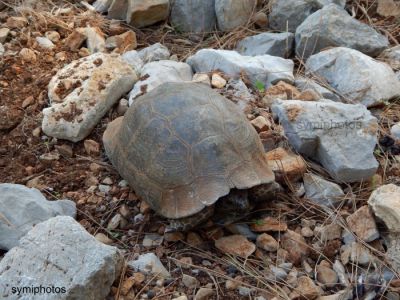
(319, 82)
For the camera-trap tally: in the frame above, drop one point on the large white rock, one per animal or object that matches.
(385, 203)
(276, 44)
(60, 253)
(342, 137)
(21, 208)
(355, 75)
(332, 26)
(266, 69)
(82, 93)
(156, 73)
(233, 13)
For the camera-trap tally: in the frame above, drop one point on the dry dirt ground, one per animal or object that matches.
(23, 95)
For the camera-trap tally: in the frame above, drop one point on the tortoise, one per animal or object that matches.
(190, 154)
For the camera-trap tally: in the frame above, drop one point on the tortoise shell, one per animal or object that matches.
(182, 146)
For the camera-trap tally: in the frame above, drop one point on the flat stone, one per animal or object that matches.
(342, 137)
(80, 97)
(155, 73)
(362, 223)
(289, 14)
(321, 191)
(21, 208)
(142, 13)
(154, 52)
(269, 224)
(304, 83)
(235, 245)
(233, 13)
(332, 26)
(265, 69)
(385, 204)
(267, 242)
(285, 164)
(53, 254)
(193, 16)
(275, 44)
(149, 263)
(296, 246)
(354, 75)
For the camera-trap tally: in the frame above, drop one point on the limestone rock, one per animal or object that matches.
(154, 52)
(296, 246)
(118, 9)
(286, 164)
(21, 208)
(306, 289)
(193, 16)
(342, 137)
(304, 83)
(354, 75)
(275, 44)
(362, 223)
(233, 13)
(267, 242)
(149, 263)
(321, 191)
(142, 13)
(82, 92)
(385, 203)
(60, 253)
(265, 69)
(156, 73)
(392, 57)
(332, 26)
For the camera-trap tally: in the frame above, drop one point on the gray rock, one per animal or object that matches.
(276, 44)
(193, 16)
(265, 69)
(304, 83)
(395, 131)
(332, 26)
(332, 195)
(80, 97)
(354, 75)
(277, 274)
(324, 193)
(102, 6)
(233, 13)
(118, 9)
(2, 50)
(189, 281)
(134, 60)
(289, 14)
(60, 253)
(21, 208)
(158, 72)
(149, 263)
(237, 91)
(392, 57)
(342, 137)
(154, 52)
